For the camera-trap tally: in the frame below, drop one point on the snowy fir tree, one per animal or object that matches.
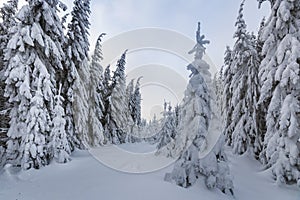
(242, 131)
(218, 87)
(117, 112)
(280, 90)
(7, 13)
(78, 74)
(168, 130)
(105, 93)
(96, 105)
(196, 116)
(33, 54)
(59, 144)
(130, 138)
(136, 109)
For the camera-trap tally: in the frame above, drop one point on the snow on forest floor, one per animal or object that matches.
(86, 178)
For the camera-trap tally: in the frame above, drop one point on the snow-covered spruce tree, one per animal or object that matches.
(7, 13)
(244, 87)
(33, 54)
(96, 105)
(177, 115)
(197, 119)
(77, 64)
(59, 144)
(218, 87)
(153, 128)
(168, 130)
(117, 112)
(130, 138)
(136, 112)
(106, 92)
(280, 91)
(227, 96)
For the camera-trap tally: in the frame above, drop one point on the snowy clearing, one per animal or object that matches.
(86, 178)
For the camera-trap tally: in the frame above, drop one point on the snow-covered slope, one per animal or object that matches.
(86, 178)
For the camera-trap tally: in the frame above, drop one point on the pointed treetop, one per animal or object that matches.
(200, 38)
(240, 23)
(138, 82)
(199, 48)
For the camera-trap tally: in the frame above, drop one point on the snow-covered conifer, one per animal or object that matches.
(168, 130)
(280, 86)
(118, 106)
(7, 14)
(198, 117)
(242, 130)
(96, 105)
(59, 144)
(78, 73)
(33, 54)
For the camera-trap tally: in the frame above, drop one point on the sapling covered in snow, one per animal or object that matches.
(198, 118)
(280, 79)
(59, 144)
(168, 130)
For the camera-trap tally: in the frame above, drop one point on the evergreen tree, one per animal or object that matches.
(7, 13)
(96, 105)
(136, 111)
(131, 125)
(117, 114)
(242, 117)
(168, 130)
(106, 92)
(198, 118)
(78, 73)
(280, 85)
(59, 142)
(33, 54)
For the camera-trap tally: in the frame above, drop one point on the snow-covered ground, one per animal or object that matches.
(86, 178)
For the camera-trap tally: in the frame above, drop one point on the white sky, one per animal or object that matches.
(217, 18)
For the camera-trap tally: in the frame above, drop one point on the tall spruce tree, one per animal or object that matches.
(117, 111)
(197, 119)
(78, 73)
(242, 129)
(7, 14)
(96, 105)
(280, 90)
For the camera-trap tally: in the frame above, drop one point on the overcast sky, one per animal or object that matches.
(217, 18)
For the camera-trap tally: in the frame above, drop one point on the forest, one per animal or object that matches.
(56, 98)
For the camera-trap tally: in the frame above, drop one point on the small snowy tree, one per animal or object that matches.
(59, 142)
(280, 82)
(197, 112)
(168, 130)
